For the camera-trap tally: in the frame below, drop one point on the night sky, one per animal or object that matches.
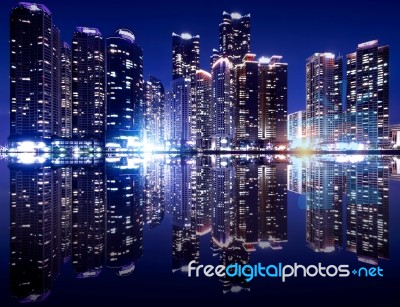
(293, 29)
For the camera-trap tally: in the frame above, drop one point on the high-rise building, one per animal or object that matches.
(124, 88)
(34, 73)
(368, 207)
(124, 218)
(234, 36)
(214, 57)
(324, 108)
(246, 102)
(66, 91)
(34, 231)
(202, 121)
(88, 85)
(223, 211)
(222, 104)
(273, 101)
(66, 213)
(185, 55)
(178, 112)
(88, 220)
(154, 112)
(324, 192)
(368, 95)
(245, 186)
(154, 192)
(297, 129)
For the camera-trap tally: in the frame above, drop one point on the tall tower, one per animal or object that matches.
(323, 99)
(368, 95)
(88, 220)
(124, 87)
(234, 36)
(154, 111)
(222, 104)
(66, 91)
(185, 55)
(34, 73)
(202, 120)
(185, 63)
(273, 101)
(246, 102)
(88, 85)
(34, 231)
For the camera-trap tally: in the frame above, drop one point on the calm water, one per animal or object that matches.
(123, 230)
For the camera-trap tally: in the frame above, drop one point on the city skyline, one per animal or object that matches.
(205, 53)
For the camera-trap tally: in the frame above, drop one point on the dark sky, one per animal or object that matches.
(293, 29)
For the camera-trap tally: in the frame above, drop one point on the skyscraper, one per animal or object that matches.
(368, 95)
(88, 220)
(154, 111)
(273, 101)
(368, 205)
(124, 88)
(178, 114)
(185, 63)
(246, 102)
(234, 36)
(324, 192)
(222, 104)
(124, 218)
(272, 205)
(88, 85)
(202, 125)
(323, 99)
(34, 73)
(66, 91)
(297, 129)
(185, 55)
(34, 231)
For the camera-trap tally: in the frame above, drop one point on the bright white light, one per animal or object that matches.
(329, 55)
(26, 146)
(224, 163)
(224, 141)
(126, 34)
(236, 16)
(186, 36)
(264, 60)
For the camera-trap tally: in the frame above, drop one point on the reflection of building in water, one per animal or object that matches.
(395, 168)
(368, 209)
(297, 175)
(272, 205)
(124, 218)
(202, 194)
(179, 174)
(34, 231)
(66, 212)
(154, 192)
(246, 199)
(88, 220)
(324, 205)
(223, 212)
(234, 253)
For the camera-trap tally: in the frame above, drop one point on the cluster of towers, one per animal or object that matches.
(93, 90)
(90, 90)
(347, 107)
(240, 103)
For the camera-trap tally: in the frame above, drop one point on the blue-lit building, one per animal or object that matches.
(124, 88)
(88, 85)
(367, 117)
(34, 74)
